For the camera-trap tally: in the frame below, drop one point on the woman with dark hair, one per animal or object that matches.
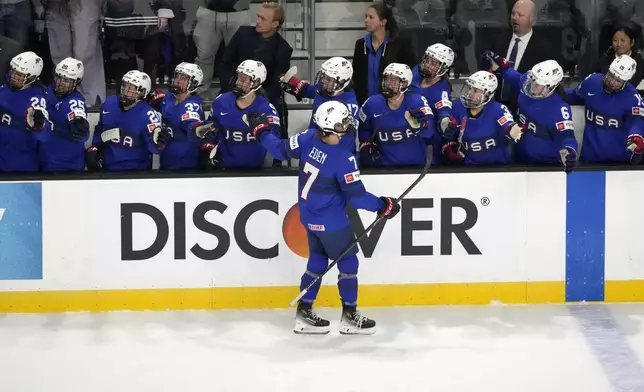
(624, 40)
(381, 46)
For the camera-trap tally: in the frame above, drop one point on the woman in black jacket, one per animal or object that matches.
(381, 46)
(624, 42)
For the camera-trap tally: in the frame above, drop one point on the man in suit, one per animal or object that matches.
(263, 43)
(523, 49)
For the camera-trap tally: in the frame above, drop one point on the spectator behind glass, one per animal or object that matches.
(8, 50)
(380, 47)
(623, 43)
(15, 18)
(131, 28)
(262, 43)
(217, 21)
(73, 27)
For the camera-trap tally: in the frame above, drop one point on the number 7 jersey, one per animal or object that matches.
(328, 179)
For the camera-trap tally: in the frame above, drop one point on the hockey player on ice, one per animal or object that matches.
(24, 120)
(129, 130)
(181, 111)
(395, 126)
(235, 145)
(65, 148)
(543, 113)
(329, 179)
(486, 126)
(332, 82)
(430, 80)
(614, 114)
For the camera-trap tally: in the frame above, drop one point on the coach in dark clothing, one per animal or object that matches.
(381, 46)
(261, 43)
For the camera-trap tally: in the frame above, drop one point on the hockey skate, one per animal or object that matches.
(353, 323)
(307, 322)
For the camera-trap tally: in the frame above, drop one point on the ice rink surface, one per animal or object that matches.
(574, 348)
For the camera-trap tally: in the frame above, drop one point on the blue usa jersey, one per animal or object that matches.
(18, 144)
(438, 96)
(398, 143)
(182, 150)
(60, 152)
(547, 125)
(328, 179)
(610, 119)
(483, 138)
(348, 98)
(133, 149)
(237, 145)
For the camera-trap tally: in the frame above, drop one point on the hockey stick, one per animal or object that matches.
(289, 74)
(428, 163)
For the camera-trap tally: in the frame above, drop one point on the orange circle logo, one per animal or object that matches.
(294, 233)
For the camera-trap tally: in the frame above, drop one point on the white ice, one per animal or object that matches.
(485, 348)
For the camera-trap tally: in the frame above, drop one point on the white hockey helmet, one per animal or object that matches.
(187, 77)
(542, 80)
(335, 117)
(478, 89)
(334, 76)
(24, 69)
(620, 72)
(437, 60)
(135, 86)
(250, 76)
(68, 76)
(396, 79)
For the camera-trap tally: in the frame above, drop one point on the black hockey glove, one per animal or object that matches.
(93, 159)
(391, 208)
(79, 129)
(258, 122)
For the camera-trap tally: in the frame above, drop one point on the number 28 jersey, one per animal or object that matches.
(328, 179)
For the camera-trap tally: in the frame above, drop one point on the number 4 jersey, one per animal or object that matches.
(328, 179)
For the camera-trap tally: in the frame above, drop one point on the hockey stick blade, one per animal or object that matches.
(290, 73)
(428, 163)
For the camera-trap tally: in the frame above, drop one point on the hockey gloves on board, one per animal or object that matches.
(78, 129)
(568, 158)
(514, 133)
(155, 97)
(258, 122)
(449, 128)
(493, 62)
(208, 157)
(369, 153)
(35, 118)
(93, 159)
(291, 84)
(391, 208)
(452, 152)
(635, 144)
(203, 128)
(160, 137)
(417, 118)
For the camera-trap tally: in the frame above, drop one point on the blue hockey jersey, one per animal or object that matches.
(483, 138)
(60, 152)
(439, 98)
(328, 178)
(348, 98)
(610, 119)
(182, 150)
(398, 143)
(237, 145)
(133, 149)
(547, 125)
(18, 144)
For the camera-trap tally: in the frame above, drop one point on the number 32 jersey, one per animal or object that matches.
(328, 179)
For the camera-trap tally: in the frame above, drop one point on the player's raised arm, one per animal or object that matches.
(278, 148)
(500, 66)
